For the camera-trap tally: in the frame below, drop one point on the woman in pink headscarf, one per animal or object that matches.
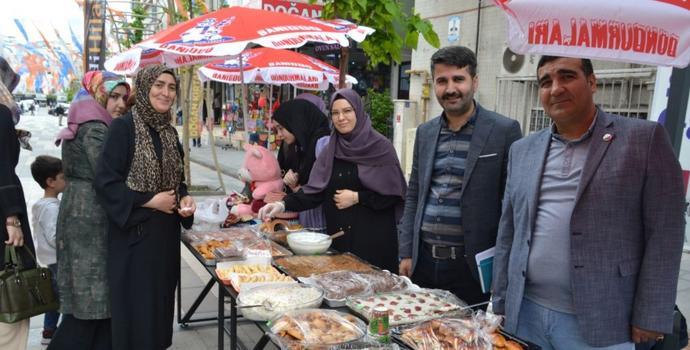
(81, 234)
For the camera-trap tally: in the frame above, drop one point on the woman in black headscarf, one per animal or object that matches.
(304, 129)
(139, 181)
(358, 179)
(16, 230)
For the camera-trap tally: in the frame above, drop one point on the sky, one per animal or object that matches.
(42, 14)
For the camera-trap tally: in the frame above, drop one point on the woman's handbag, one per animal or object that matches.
(24, 292)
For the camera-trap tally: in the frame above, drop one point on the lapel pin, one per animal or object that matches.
(607, 137)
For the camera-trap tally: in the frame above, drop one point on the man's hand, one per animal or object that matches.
(345, 198)
(163, 201)
(405, 268)
(16, 236)
(187, 207)
(640, 335)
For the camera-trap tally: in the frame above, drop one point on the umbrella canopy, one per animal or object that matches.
(652, 32)
(228, 31)
(273, 66)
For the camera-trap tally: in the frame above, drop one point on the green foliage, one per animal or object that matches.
(135, 32)
(72, 89)
(380, 108)
(385, 44)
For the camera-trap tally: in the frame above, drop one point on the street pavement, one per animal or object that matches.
(200, 336)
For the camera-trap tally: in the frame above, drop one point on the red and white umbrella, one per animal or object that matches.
(272, 66)
(128, 62)
(228, 31)
(655, 32)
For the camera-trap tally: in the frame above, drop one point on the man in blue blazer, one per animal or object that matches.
(591, 235)
(453, 200)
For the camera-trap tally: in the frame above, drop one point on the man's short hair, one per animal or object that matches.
(44, 168)
(586, 65)
(458, 56)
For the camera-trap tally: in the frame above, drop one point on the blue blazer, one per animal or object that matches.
(482, 189)
(627, 230)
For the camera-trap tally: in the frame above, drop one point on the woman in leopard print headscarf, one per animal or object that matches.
(140, 184)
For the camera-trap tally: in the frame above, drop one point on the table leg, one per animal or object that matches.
(221, 316)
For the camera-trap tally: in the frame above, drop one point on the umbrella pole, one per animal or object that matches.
(212, 139)
(243, 93)
(344, 57)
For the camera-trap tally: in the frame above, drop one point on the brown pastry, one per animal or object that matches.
(512, 345)
(498, 340)
(274, 225)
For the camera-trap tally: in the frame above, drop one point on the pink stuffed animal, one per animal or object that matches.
(262, 172)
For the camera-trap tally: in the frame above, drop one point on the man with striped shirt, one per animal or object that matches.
(453, 202)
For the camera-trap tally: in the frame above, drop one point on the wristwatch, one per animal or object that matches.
(13, 221)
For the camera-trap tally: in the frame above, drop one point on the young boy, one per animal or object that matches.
(47, 171)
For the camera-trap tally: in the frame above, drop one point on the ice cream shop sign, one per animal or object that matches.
(292, 7)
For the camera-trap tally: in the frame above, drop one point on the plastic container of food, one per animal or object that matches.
(315, 329)
(308, 243)
(277, 299)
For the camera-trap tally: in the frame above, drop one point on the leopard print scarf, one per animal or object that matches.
(147, 173)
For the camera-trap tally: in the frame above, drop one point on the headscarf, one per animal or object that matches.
(377, 163)
(148, 173)
(316, 100)
(90, 102)
(8, 81)
(304, 120)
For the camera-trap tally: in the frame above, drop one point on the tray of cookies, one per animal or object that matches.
(243, 275)
(409, 306)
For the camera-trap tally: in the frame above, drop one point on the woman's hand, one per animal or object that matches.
(291, 178)
(345, 198)
(163, 201)
(270, 210)
(16, 236)
(187, 207)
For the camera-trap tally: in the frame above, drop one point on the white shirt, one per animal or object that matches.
(44, 221)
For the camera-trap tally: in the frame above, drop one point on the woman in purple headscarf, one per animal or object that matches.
(357, 178)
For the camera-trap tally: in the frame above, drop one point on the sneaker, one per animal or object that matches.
(47, 336)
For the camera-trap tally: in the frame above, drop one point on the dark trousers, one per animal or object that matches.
(76, 334)
(50, 319)
(453, 275)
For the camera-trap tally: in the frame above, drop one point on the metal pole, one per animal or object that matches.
(677, 106)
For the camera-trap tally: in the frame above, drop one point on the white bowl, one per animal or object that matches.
(308, 243)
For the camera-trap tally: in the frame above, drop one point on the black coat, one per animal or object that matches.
(144, 256)
(12, 200)
(369, 226)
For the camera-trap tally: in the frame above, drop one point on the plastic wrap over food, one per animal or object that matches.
(315, 329)
(274, 300)
(340, 284)
(479, 331)
(411, 306)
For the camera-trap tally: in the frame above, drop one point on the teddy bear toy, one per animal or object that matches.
(262, 174)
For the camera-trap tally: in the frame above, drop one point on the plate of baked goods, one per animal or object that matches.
(246, 274)
(315, 329)
(409, 306)
(306, 265)
(477, 331)
(338, 285)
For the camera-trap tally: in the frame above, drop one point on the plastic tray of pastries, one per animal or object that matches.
(478, 331)
(315, 329)
(338, 285)
(409, 306)
(306, 265)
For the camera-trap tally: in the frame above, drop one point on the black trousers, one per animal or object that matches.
(76, 334)
(448, 274)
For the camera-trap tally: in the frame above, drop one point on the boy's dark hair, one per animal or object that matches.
(44, 168)
(587, 67)
(458, 56)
